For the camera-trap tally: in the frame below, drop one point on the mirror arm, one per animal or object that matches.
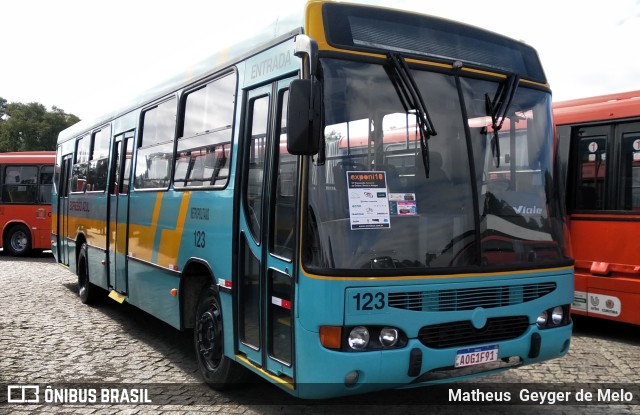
(305, 47)
(308, 48)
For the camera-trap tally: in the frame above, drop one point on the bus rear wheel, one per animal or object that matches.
(86, 290)
(218, 370)
(18, 240)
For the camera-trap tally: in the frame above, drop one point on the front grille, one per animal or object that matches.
(469, 298)
(462, 333)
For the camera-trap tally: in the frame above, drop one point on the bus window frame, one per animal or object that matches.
(140, 147)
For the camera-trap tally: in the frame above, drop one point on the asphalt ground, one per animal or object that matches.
(69, 356)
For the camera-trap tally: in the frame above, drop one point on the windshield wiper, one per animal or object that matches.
(412, 101)
(497, 110)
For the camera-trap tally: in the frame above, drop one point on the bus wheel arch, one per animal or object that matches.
(196, 277)
(17, 239)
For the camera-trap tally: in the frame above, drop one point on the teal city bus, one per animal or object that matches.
(236, 201)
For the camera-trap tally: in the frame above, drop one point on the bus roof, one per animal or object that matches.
(276, 32)
(22, 157)
(598, 108)
(527, 63)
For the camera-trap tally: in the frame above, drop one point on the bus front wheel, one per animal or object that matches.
(218, 370)
(18, 240)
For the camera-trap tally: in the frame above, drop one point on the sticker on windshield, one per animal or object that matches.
(368, 200)
(403, 204)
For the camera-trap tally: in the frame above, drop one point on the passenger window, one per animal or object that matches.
(630, 171)
(155, 155)
(203, 151)
(592, 169)
(81, 164)
(99, 160)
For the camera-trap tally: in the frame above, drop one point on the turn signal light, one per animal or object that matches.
(331, 336)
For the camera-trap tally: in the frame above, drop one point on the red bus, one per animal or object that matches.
(25, 201)
(599, 152)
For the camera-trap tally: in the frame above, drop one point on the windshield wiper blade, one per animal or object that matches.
(497, 109)
(412, 101)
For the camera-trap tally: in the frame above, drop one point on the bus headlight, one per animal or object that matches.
(554, 317)
(388, 336)
(358, 338)
(541, 321)
(557, 315)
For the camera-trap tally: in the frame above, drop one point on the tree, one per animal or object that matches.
(3, 108)
(30, 127)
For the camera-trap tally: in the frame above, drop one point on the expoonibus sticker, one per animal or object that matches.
(368, 200)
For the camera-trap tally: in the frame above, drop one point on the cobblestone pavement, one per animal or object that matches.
(48, 338)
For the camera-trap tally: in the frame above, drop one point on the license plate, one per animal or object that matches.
(476, 355)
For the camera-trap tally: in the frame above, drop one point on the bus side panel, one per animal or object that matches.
(97, 267)
(607, 278)
(86, 222)
(155, 234)
(41, 238)
(606, 240)
(71, 253)
(41, 227)
(36, 218)
(150, 290)
(608, 298)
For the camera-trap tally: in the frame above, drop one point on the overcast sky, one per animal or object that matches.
(90, 57)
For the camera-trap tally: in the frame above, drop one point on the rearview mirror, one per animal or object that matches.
(303, 118)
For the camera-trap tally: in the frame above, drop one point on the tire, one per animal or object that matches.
(218, 370)
(86, 290)
(18, 240)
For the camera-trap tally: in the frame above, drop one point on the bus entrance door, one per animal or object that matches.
(118, 211)
(267, 223)
(63, 210)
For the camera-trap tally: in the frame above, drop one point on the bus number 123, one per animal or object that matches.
(369, 301)
(198, 237)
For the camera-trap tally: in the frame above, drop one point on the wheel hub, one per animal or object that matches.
(19, 241)
(209, 339)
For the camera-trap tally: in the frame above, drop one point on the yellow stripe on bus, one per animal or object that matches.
(429, 277)
(170, 238)
(141, 237)
(284, 382)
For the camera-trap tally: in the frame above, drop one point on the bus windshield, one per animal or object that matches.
(474, 198)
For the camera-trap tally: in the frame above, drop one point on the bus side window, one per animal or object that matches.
(46, 181)
(592, 169)
(203, 149)
(20, 184)
(154, 158)
(99, 160)
(630, 171)
(81, 165)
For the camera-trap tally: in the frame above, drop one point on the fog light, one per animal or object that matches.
(388, 336)
(358, 338)
(352, 378)
(542, 319)
(557, 315)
